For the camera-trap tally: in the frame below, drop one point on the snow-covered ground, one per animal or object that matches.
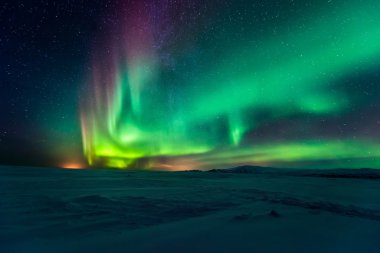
(52, 210)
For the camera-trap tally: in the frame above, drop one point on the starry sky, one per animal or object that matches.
(190, 84)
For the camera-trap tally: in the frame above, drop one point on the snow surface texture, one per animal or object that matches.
(240, 210)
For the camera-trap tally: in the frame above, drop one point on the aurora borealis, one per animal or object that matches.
(180, 85)
(192, 86)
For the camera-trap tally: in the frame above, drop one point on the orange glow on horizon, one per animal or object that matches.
(73, 166)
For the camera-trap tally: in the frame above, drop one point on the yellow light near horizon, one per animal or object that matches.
(73, 166)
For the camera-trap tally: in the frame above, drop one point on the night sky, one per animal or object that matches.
(190, 84)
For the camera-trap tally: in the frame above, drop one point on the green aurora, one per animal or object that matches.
(221, 89)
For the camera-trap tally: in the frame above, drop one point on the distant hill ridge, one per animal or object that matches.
(364, 173)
